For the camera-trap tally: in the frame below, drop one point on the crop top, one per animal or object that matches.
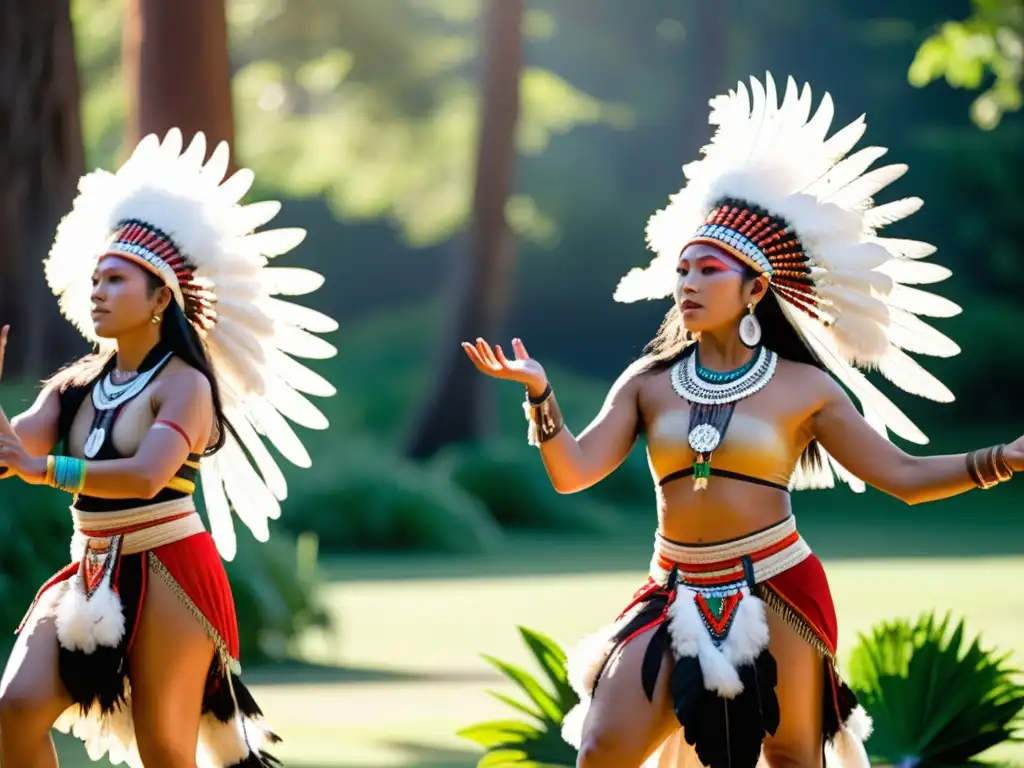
(754, 450)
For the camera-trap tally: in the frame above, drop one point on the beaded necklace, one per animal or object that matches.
(712, 397)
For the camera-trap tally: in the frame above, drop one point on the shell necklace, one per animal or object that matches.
(712, 397)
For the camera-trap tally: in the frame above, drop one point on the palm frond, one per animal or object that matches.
(933, 701)
(536, 742)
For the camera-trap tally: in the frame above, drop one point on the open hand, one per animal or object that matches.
(15, 459)
(493, 362)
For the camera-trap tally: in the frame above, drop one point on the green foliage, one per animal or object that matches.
(990, 41)
(360, 497)
(275, 595)
(932, 702)
(512, 482)
(372, 106)
(536, 742)
(273, 601)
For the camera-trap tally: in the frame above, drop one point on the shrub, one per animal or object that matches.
(514, 486)
(364, 497)
(933, 703)
(537, 741)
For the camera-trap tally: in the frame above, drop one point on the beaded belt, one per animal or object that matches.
(139, 528)
(754, 558)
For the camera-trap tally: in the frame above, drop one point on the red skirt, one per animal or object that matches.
(706, 605)
(97, 616)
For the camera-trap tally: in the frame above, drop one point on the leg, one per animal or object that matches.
(32, 696)
(798, 741)
(622, 728)
(168, 664)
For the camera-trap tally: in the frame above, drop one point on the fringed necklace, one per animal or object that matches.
(712, 397)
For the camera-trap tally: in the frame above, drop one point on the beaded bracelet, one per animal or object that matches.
(66, 473)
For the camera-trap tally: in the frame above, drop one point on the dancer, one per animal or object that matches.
(134, 646)
(726, 656)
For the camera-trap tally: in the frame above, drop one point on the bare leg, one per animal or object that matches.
(32, 696)
(623, 728)
(169, 663)
(797, 742)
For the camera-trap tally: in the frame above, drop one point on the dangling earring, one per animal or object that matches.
(687, 336)
(155, 319)
(750, 329)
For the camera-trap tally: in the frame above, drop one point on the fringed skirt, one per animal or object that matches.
(707, 605)
(116, 555)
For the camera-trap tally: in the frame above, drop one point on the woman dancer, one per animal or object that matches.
(134, 646)
(727, 654)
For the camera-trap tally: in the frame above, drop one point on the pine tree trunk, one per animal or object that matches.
(177, 69)
(460, 406)
(41, 160)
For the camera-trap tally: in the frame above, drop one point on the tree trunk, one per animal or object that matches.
(177, 69)
(41, 160)
(461, 405)
(707, 63)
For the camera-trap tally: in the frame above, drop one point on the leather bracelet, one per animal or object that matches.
(543, 395)
(544, 417)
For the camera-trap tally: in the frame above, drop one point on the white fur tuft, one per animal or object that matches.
(572, 723)
(85, 623)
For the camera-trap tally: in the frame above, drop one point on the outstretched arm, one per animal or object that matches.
(852, 441)
(573, 463)
(576, 463)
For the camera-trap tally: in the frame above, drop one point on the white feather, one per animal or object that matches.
(921, 303)
(908, 375)
(909, 332)
(919, 272)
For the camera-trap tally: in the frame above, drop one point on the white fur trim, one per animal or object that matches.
(585, 659)
(747, 637)
(85, 623)
(572, 723)
(859, 723)
(847, 749)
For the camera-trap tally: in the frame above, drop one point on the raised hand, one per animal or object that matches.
(493, 362)
(5, 425)
(3, 348)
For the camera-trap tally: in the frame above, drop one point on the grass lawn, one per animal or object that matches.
(404, 671)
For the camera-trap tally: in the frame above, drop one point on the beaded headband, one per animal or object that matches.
(157, 252)
(765, 243)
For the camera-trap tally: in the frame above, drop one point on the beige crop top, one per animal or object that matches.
(754, 449)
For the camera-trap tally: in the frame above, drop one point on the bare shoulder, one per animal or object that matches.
(811, 384)
(636, 375)
(183, 379)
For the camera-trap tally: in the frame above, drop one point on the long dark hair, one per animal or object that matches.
(671, 344)
(177, 335)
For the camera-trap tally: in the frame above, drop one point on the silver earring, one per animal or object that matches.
(750, 329)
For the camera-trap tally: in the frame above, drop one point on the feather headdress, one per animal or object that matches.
(174, 213)
(773, 189)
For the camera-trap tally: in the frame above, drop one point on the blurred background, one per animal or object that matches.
(471, 168)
